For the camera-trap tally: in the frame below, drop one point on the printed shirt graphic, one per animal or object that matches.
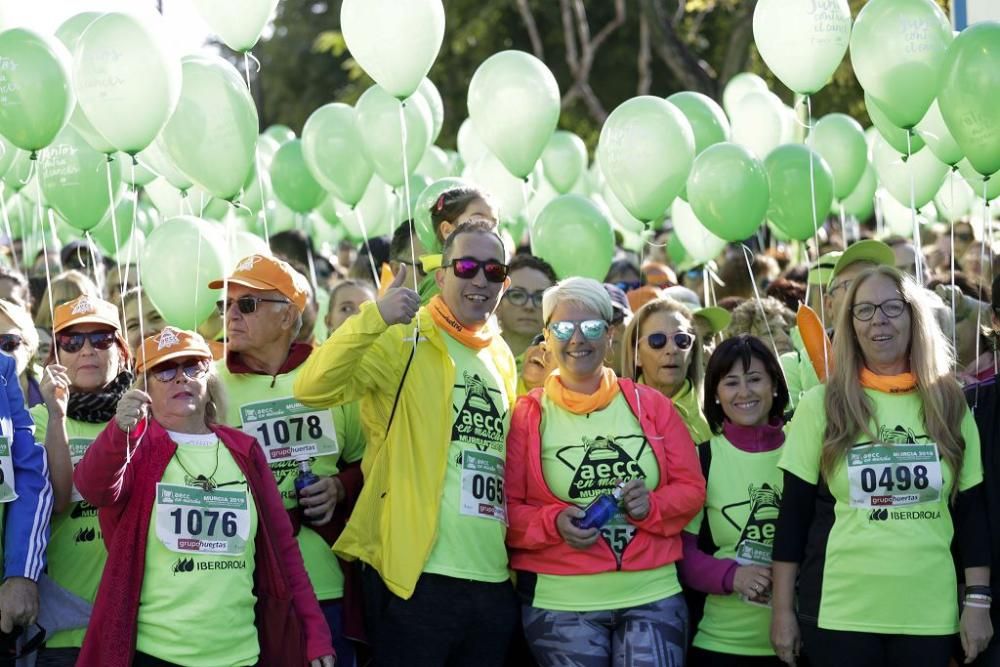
(198, 609)
(472, 518)
(76, 553)
(743, 495)
(341, 437)
(583, 457)
(859, 579)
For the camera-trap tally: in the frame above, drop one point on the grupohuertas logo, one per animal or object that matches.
(183, 565)
(479, 422)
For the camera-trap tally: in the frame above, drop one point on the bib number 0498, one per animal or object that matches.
(900, 478)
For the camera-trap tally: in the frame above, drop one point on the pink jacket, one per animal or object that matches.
(291, 628)
(534, 541)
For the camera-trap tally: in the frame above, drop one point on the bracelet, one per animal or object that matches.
(977, 605)
(979, 589)
(978, 598)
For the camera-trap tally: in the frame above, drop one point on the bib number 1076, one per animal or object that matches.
(204, 522)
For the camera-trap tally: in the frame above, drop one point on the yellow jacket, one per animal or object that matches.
(394, 524)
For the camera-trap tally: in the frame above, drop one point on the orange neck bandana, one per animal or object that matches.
(476, 339)
(582, 404)
(890, 384)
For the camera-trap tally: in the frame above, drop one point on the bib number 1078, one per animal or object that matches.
(899, 478)
(293, 429)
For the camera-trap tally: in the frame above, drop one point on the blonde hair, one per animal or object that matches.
(215, 400)
(583, 292)
(696, 367)
(850, 411)
(64, 287)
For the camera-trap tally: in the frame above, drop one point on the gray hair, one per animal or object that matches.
(584, 292)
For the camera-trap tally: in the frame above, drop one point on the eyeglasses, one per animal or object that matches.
(192, 370)
(10, 342)
(537, 340)
(246, 304)
(892, 309)
(682, 339)
(628, 285)
(468, 267)
(74, 342)
(591, 329)
(520, 297)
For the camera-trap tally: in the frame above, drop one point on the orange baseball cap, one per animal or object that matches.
(85, 310)
(170, 344)
(268, 273)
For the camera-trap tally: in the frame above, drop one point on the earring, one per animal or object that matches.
(775, 394)
(717, 402)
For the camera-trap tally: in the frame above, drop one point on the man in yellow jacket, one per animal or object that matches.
(436, 385)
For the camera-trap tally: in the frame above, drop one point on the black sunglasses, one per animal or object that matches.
(658, 340)
(10, 342)
(467, 268)
(246, 304)
(74, 342)
(520, 297)
(192, 370)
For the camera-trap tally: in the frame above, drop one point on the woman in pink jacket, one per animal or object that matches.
(605, 595)
(202, 567)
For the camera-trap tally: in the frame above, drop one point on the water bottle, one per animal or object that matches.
(601, 510)
(306, 476)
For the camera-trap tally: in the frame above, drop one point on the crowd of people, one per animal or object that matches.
(465, 459)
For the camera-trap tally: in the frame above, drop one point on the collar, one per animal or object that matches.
(297, 355)
(754, 439)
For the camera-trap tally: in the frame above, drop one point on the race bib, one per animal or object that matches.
(287, 429)
(77, 448)
(7, 492)
(190, 520)
(482, 486)
(894, 475)
(749, 552)
(618, 533)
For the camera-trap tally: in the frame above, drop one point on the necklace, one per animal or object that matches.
(204, 483)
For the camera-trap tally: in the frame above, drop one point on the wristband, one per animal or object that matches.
(980, 598)
(977, 605)
(979, 589)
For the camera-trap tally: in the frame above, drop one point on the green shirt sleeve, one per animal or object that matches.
(40, 415)
(972, 462)
(353, 435)
(804, 444)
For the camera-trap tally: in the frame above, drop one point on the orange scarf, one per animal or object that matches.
(582, 404)
(476, 339)
(890, 384)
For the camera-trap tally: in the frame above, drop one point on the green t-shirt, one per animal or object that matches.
(197, 609)
(284, 427)
(76, 553)
(582, 458)
(472, 521)
(743, 494)
(686, 403)
(878, 558)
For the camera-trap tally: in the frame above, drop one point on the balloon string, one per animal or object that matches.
(815, 220)
(747, 254)
(6, 225)
(918, 251)
(371, 260)
(406, 196)
(197, 281)
(843, 223)
(45, 248)
(92, 251)
(30, 230)
(256, 153)
(954, 310)
(114, 229)
(982, 265)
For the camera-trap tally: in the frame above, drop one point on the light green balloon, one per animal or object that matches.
(800, 43)
(645, 151)
(212, 135)
(508, 192)
(922, 171)
(133, 173)
(104, 233)
(954, 200)
(422, 222)
(74, 180)
(970, 94)
(192, 252)
(237, 22)
(564, 160)
(577, 218)
(934, 131)
(620, 216)
(334, 151)
(279, 133)
(291, 180)
(16, 176)
(760, 123)
(375, 211)
(379, 125)
(801, 195)
(701, 245)
(861, 202)
(127, 79)
(514, 104)
(8, 153)
(728, 191)
(69, 34)
(435, 105)
(840, 141)
(155, 159)
(470, 146)
(975, 179)
(894, 135)
(708, 120)
(738, 87)
(36, 96)
(435, 165)
(898, 52)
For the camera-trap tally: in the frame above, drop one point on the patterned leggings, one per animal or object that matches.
(651, 635)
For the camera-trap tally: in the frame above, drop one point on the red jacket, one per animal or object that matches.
(291, 628)
(534, 541)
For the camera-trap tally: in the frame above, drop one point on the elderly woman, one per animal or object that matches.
(81, 391)
(63, 288)
(197, 537)
(19, 339)
(663, 350)
(603, 594)
(767, 319)
(881, 469)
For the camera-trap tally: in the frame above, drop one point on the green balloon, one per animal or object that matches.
(761, 122)
(69, 34)
(127, 79)
(970, 94)
(975, 179)
(238, 22)
(334, 151)
(104, 233)
(740, 86)
(798, 205)
(564, 160)
(435, 105)
(376, 211)
(8, 153)
(279, 133)
(728, 191)
(934, 131)
(133, 173)
(257, 188)
(898, 52)
(422, 222)
(17, 175)
(291, 180)
(212, 135)
(155, 159)
(708, 120)
(36, 96)
(701, 245)
(677, 253)
(435, 165)
(382, 139)
(895, 136)
(861, 202)
(192, 252)
(645, 151)
(955, 197)
(514, 105)
(577, 218)
(840, 141)
(922, 172)
(74, 180)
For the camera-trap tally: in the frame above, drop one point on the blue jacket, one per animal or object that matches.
(26, 519)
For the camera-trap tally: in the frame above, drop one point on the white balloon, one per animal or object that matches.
(470, 146)
(506, 189)
(955, 197)
(760, 123)
(375, 211)
(701, 244)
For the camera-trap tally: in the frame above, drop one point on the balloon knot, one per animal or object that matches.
(34, 155)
